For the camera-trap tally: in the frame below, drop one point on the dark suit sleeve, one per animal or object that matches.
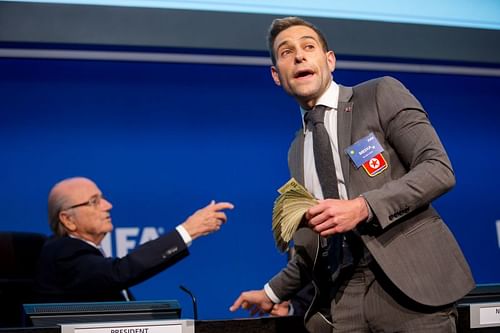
(150, 258)
(79, 266)
(409, 132)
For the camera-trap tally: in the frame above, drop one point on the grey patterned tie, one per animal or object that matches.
(325, 168)
(323, 155)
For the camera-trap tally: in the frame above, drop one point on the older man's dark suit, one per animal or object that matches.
(407, 237)
(69, 269)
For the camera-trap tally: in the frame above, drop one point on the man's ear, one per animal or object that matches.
(330, 58)
(67, 220)
(275, 75)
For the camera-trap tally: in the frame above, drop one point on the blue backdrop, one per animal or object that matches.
(162, 140)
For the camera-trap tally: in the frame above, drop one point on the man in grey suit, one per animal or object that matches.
(379, 256)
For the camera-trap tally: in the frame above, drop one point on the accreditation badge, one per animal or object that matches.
(375, 165)
(367, 152)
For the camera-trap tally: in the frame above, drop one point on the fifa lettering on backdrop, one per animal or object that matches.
(122, 240)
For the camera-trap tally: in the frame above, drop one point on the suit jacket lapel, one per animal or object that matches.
(344, 121)
(296, 157)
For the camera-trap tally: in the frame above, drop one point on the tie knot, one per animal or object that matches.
(316, 115)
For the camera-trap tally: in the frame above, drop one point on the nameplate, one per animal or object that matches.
(485, 315)
(149, 326)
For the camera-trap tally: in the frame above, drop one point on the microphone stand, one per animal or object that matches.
(193, 300)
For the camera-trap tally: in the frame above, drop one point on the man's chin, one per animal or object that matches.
(109, 226)
(305, 92)
(306, 98)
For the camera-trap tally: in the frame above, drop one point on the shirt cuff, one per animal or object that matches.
(270, 293)
(184, 234)
(291, 311)
(370, 213)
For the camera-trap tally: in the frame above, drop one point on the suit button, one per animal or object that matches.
(169, 252)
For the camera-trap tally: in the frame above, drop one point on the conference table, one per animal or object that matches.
(292, 324)
(245, 325)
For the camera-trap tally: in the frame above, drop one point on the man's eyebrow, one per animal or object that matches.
(303, 37)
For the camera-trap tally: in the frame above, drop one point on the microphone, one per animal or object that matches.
(193, 299)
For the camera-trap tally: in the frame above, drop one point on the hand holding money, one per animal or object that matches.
(289, 209)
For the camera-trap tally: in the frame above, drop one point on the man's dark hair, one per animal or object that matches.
(279, 25)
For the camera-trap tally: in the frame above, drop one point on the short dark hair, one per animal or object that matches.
(278, 25)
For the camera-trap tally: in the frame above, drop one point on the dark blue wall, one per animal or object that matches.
(162, 140)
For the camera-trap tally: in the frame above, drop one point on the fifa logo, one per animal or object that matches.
(119, 242)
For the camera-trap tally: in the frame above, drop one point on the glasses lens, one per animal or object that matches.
(95, 201)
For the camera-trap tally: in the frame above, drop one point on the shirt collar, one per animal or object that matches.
(86, 241)
(330, 99)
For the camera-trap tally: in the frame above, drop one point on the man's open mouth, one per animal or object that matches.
(303, 73)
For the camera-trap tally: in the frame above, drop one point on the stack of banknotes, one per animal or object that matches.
(289, 209)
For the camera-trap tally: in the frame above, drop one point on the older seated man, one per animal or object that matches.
(71, 265)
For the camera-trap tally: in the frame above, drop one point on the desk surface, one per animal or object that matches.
(266, 325)
(250, 325)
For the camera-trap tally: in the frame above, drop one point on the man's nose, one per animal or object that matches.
(106, 204)
(299, 56)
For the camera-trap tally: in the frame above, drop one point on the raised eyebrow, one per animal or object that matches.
(97, 195)
(301, 38)
(281, 45)
(309, 37)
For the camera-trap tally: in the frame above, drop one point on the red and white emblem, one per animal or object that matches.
(375, 165)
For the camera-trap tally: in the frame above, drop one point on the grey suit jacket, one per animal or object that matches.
(407, 237)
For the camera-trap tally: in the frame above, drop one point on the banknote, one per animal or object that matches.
(288, 211)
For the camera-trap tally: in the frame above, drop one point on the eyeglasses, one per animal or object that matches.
(95, 201)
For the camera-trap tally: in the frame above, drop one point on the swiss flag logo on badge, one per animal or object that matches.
(375, 165)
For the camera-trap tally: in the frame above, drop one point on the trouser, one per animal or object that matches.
(366, 301)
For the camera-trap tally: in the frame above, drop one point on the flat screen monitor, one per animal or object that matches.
(52, 314)
(483, 293)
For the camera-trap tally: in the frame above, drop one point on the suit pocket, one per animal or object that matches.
(421, 225)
